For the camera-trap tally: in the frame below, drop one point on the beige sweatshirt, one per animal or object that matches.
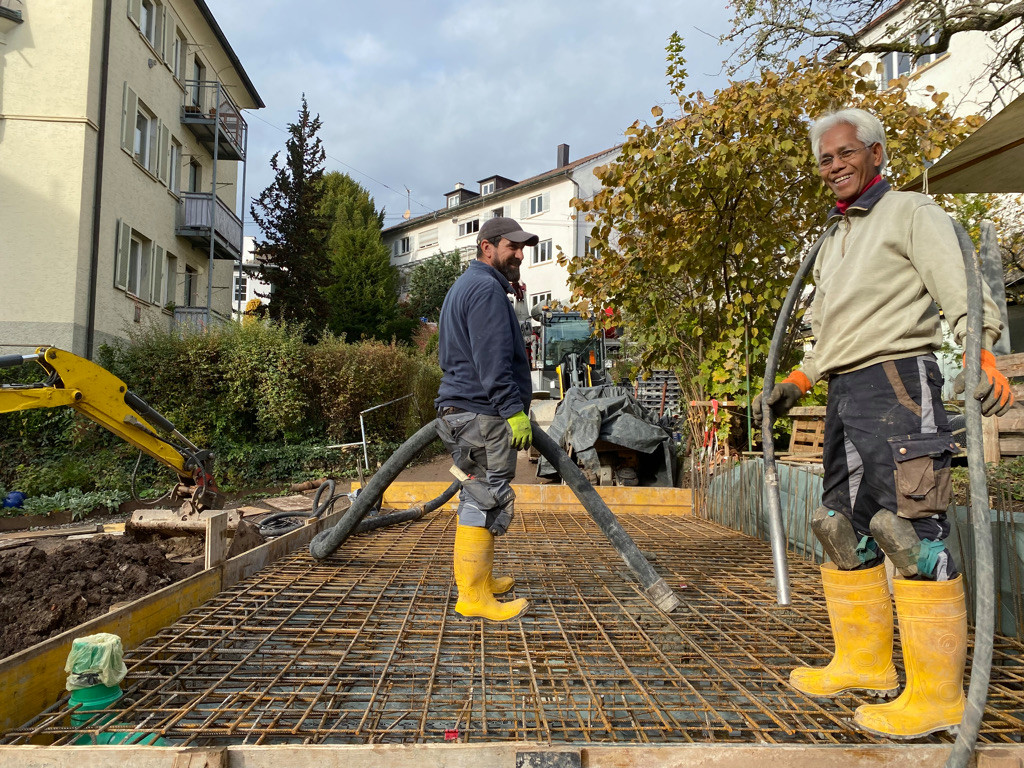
(878, 277)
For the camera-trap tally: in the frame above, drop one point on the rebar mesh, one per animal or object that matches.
(366, 647)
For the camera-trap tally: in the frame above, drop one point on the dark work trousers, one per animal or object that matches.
(888, 446)
(479, 445)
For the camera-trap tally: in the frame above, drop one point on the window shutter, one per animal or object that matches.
(524, 209)
(412, 243)
(135, 10)
(168, 36)
(158, 29)
(546, 202)
(155, 155)
(164, 153)
(122, 246)
(156, 288)
(508, 211)
(129, 108)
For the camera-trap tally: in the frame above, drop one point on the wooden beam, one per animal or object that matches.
(216, 545)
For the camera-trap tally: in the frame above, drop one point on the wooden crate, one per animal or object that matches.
(807, 440)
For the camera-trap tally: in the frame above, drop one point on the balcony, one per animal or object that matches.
(195, 213)
(10, 15)
(205, 106)
(194, 319)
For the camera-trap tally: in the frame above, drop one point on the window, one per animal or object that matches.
(540, 298)
(198, 74)
(469, 227)
(541, 253)
(191, 281)
(500, 211)
(894, 65)
(240, 288)
(171, 280)
(147, 20)
(428, 239)
(180, 52)
(195, 176)
(139, 265)
(534, 205)
(453, 201)
(926, 37)
(174, 167)
(404, 246)
(486, 189)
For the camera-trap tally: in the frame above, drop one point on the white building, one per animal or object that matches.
(541, 204)
(962, 71)
(248, 283)
(122, 145)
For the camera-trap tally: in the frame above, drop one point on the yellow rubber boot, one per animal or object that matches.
(474, 556)
(933, 630)
(499, 585)
(860, 612)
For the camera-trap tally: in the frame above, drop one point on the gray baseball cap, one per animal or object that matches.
(501, 226)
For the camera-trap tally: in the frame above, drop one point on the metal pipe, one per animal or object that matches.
(362, 425)
(984, 571)
(776, 529)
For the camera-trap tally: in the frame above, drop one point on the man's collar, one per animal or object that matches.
(505, 284)
(866, 200)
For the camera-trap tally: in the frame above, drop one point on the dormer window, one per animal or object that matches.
(487, 188)
(453, 201)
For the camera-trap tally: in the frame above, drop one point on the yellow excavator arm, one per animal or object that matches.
(103, 398)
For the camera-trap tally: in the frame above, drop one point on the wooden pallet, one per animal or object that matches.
(1004, 435)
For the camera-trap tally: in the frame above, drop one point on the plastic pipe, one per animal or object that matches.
(984, 570)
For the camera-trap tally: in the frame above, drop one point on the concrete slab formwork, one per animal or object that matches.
(363, 654)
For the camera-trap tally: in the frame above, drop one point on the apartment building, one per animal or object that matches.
(540, 203)
(122, 143)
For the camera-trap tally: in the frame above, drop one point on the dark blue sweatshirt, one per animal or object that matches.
(481, 350)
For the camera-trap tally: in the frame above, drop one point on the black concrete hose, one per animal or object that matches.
(656, 588)
(326, 542)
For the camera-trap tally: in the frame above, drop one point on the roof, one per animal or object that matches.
(990, 160)
(232, 57)
(501, 194)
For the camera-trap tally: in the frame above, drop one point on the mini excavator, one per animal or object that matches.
(103, 398)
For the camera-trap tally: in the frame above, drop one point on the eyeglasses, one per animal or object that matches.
(826, 162)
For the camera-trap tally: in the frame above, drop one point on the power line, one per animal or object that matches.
(350, 167)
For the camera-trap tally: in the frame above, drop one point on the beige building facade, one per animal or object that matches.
(118, 119)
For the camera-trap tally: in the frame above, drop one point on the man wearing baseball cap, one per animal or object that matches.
(482, 406)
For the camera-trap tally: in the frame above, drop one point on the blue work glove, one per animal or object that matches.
(522, 432)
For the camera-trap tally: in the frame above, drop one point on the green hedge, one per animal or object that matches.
(263, 400)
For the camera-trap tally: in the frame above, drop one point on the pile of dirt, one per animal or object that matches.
(44, 594)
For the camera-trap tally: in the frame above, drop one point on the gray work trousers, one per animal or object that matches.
(479, 445)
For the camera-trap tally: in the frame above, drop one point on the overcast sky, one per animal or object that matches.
(425, 94)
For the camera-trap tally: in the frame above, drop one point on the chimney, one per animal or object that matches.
(563, 156)
(459, 185)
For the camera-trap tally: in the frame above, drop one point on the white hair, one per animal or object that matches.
(869, 130)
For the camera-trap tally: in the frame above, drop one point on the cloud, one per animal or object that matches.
(422, 95)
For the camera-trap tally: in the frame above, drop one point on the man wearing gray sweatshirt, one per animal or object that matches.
(882, 273)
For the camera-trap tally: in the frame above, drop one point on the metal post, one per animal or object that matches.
(213, 203)
(362, 425)
(241, 237)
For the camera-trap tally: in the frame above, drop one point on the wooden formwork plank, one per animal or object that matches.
(504, 755)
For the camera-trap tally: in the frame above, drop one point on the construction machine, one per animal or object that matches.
(103, 398)
(568, 352)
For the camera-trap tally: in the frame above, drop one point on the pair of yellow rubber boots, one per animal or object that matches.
(932, 617)
(473, 561)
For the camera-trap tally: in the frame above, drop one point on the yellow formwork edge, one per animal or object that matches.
(558, 498)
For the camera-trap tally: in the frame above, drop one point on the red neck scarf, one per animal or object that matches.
(842, 205)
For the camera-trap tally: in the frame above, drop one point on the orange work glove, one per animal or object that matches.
(993, 389)
(783, 396)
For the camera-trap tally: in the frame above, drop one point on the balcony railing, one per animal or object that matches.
(194, 318)
(205, 105)
(195, 213)
(10, 15)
